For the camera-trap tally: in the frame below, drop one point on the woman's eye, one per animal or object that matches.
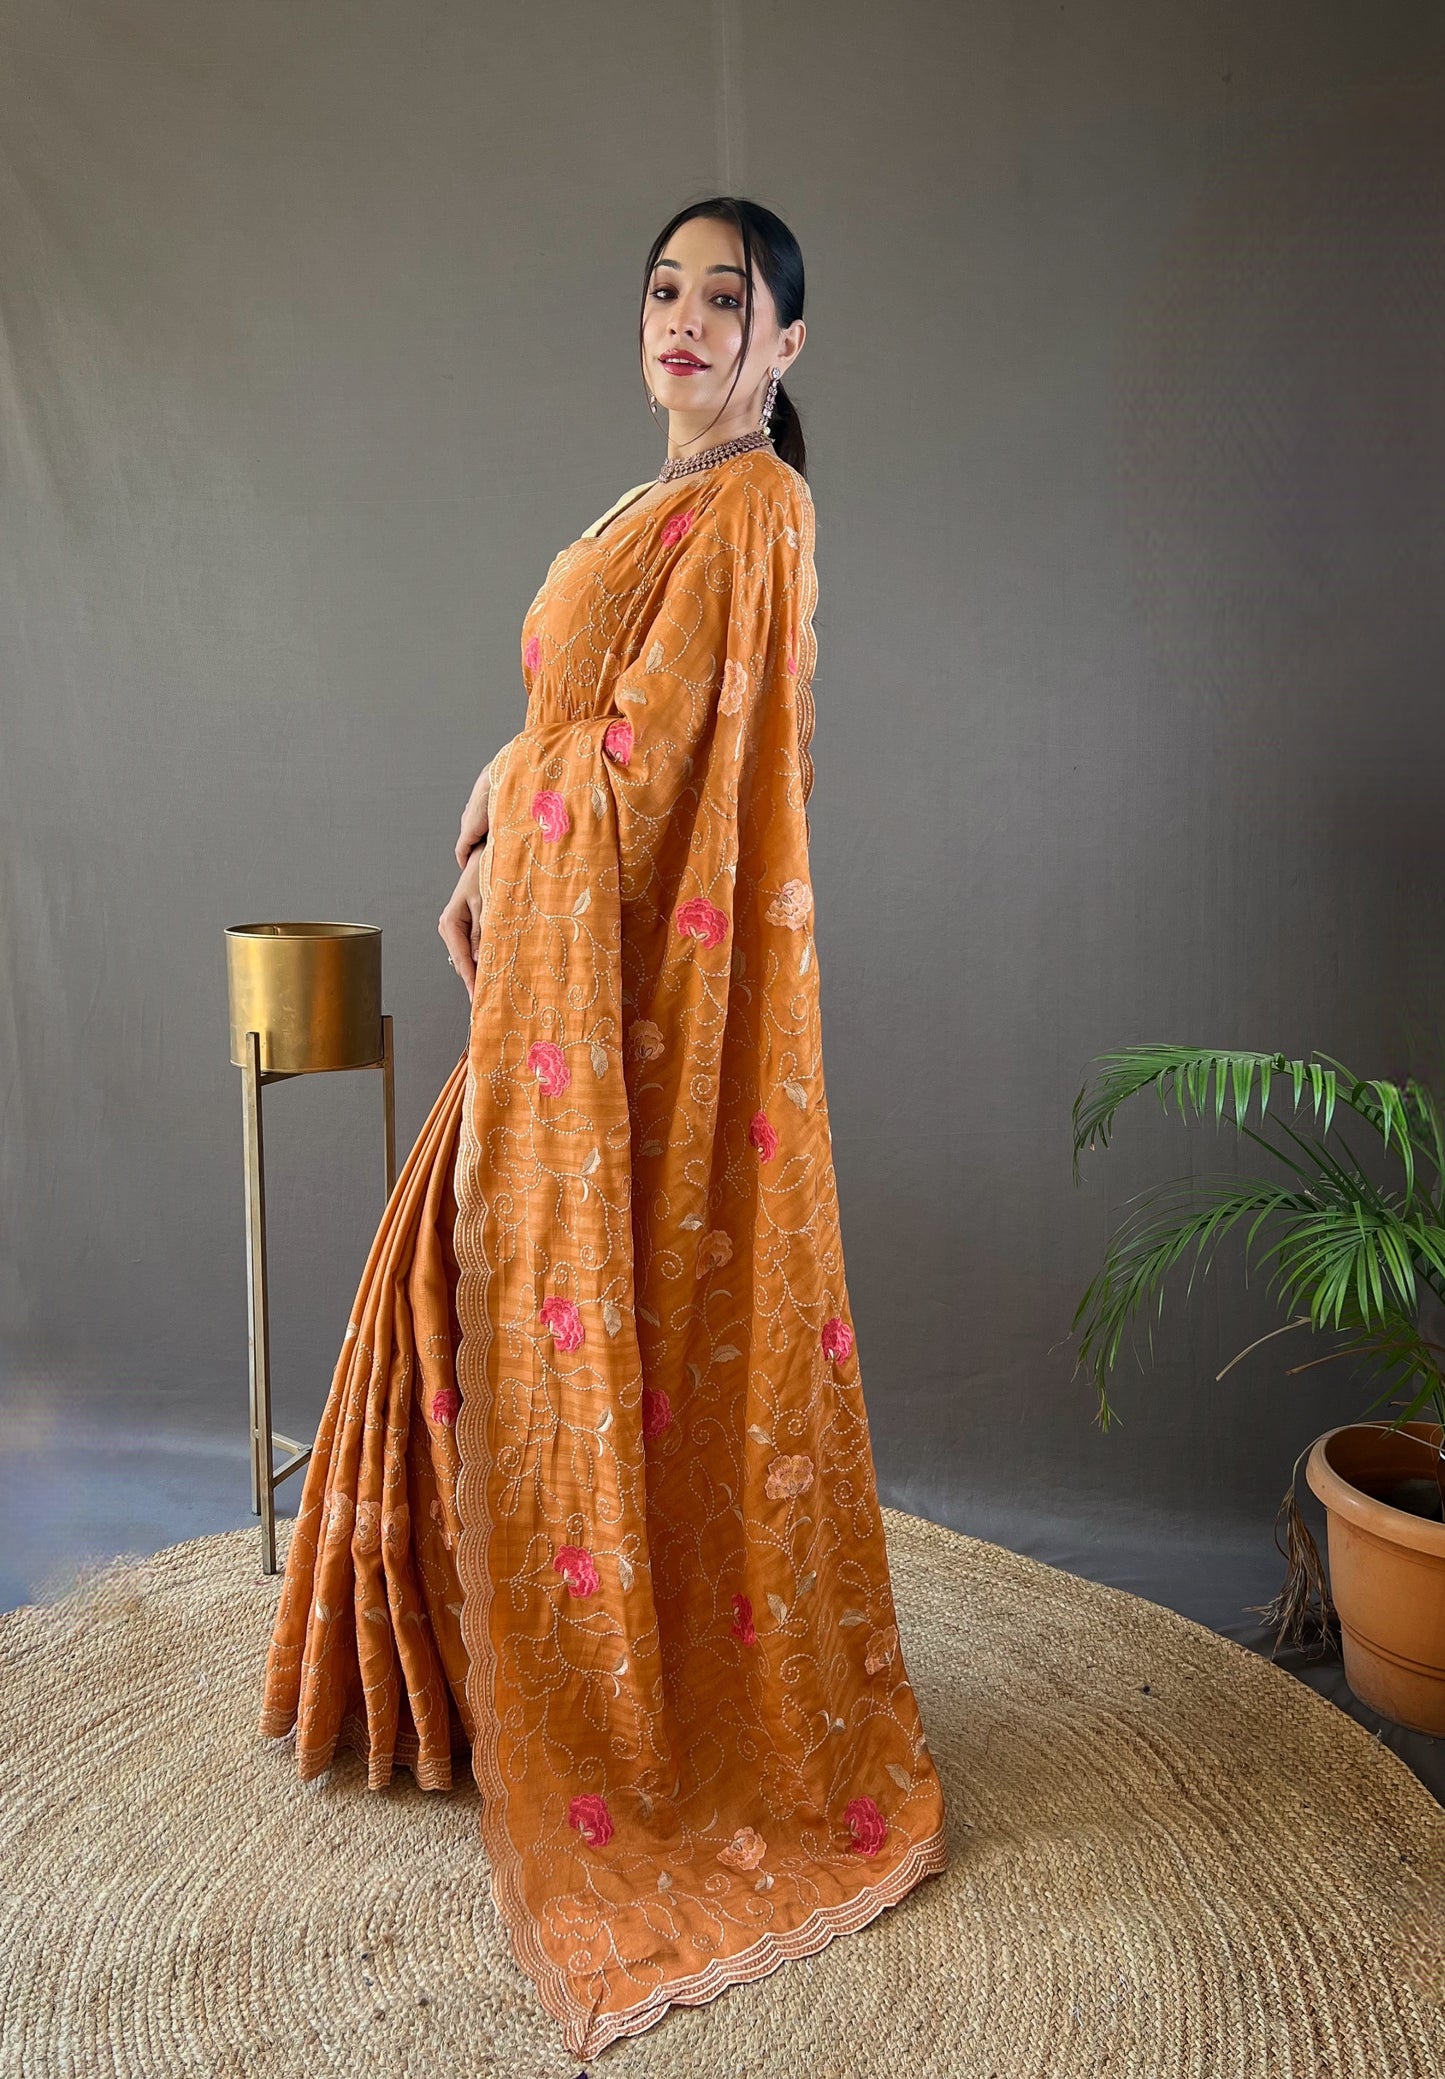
(734, 301)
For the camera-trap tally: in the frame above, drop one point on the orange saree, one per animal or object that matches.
(593, 1496)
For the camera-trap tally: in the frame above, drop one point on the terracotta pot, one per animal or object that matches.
(1387, 1570)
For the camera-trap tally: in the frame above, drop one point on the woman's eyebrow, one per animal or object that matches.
(742, 277)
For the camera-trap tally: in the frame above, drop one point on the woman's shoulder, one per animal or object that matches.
(759, 493)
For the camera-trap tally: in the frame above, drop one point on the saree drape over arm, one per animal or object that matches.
(597, 1494)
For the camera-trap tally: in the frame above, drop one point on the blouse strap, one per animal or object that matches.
(590, 533)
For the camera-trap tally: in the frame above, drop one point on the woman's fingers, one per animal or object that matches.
(458, 925)
(474, 816)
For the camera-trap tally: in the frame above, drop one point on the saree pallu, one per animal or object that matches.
(593, 1495)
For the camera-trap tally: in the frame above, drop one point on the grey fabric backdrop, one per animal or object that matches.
(1123, 388)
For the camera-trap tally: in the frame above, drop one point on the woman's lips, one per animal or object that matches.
(682, 365)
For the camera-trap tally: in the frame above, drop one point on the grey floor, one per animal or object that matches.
(96, 1491)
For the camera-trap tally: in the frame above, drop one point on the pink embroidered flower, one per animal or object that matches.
(674, 529)
(445, 1405)
(867, 1825)
(763, 1136)
(734, 686)
(645, 1039)
(564, 1320)
(550, 810)
(532, 655)
(590, 1816)
(789, 1476)
(837, 1339)
(742, 1624)
(617, 740)
(656, 1411)
(791, 905)
(714, 1249)
(881, 1648)
(700, 919)
(744, 1851)
(549, 1065)
(577, 1568)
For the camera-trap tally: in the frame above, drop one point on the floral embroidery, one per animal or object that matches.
(617, 740)
(565, 1321)
(714, 1249)
(867, 1825)
(837, 1339)
(549, 1065)
(656, 1411)
(578, 1569)
(734, 686)
(675, 528)
(789, 1476)
(550, 810)
(763, 1136)
(792, 661)
(742, 1624)
(645, 1039)
(744, 1851)
(589, 1814)
(698, 918)
(881, 1648)
(532, 655)
(445, 1405)
(366, 1538)
(791, 905)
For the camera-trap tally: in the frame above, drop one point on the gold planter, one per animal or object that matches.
(304, 999)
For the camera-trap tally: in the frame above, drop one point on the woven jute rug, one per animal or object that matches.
(1169, 1858)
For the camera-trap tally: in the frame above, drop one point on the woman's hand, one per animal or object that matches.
(460, 922)
(475, 821)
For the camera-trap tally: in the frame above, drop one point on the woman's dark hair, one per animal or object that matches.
(768, 242)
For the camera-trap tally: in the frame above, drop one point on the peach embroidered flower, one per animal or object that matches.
(791, 905)
(366, 1538)
(549, 1065)
(763, 1136)
(617, 740)
(881, 1648)
(550, 811)
(734, 686)
(645, 1039)
(715, 1248)
(744, 1851)
(590, 1816)
(565, 1321)
(674, 529)
(789, 1476)
(837, 1339)
(698, 918)
(340, 1514)
(867, 1825)
(396, 1527)
(742, 1624)
(577, 1568)
(445, 1405)
(656, 1411)
(532, 655)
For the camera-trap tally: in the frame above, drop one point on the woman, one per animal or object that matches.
(593, 1493)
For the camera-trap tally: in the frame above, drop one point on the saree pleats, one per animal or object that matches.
(594, 1489)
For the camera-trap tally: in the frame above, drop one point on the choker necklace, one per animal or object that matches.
(684, 465)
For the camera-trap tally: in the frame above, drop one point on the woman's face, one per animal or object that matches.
(692, 330)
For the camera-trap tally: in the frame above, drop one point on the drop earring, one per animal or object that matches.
(768, 400)
(652, 406)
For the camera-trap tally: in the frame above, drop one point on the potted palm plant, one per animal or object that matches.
(1352, 1257)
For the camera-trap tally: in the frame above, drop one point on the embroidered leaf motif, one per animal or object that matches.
(323, 1613)
(583, 902)
(599, 1059)
(799, 1095)
(696, 1370)
(808, 1583)
(612, 1321)
(807, 960)
(624, 1570)
(605, 1423)
(379, 1616)
(654, 658)
(759, 1436)
(852, 1617)
(900, 1775)
(740, 961)
(692, 1220)
(650, 1148)
(631, 693)
(592, 1161)
(779, 1608)
(455, 1608)
(764, 1883)
(621, 1667)
(599, 800)
(648, 1315)
(726, 1351)
(664, 1881)
(839, 1726)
